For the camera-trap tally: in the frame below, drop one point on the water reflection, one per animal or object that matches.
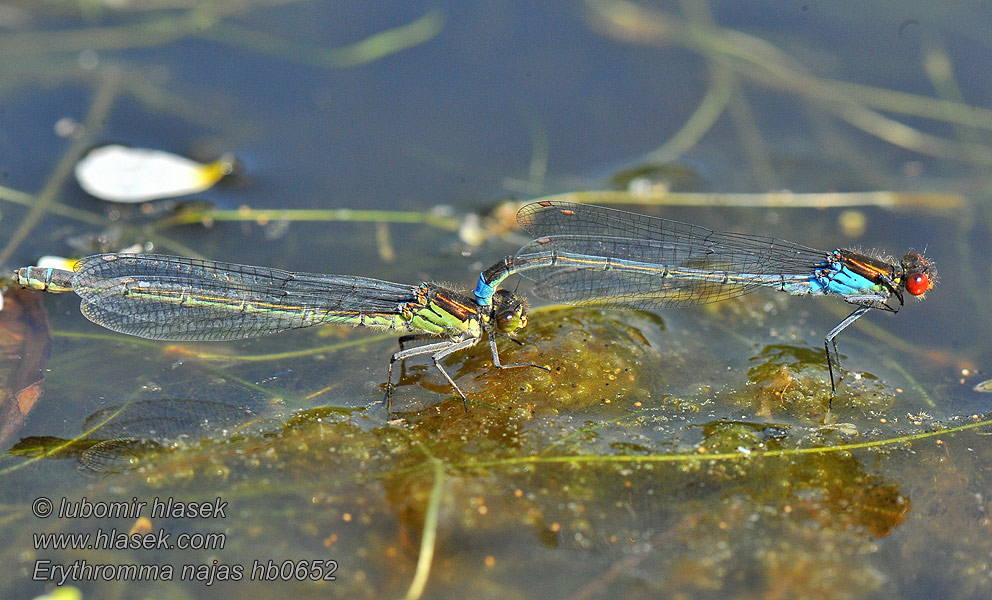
(607, 465)
(119, 438)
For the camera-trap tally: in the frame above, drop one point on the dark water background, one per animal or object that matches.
(678, 454)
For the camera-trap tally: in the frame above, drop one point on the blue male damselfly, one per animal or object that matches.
(592, 255)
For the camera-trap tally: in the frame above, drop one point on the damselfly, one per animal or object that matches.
(587, 254)
(185, 299)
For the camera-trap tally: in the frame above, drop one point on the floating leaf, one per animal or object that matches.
(123, 174)
(62, 593)
(985, 386)
(25, 343)
(55, 262)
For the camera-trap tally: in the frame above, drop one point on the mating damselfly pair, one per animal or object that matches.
(581, 254)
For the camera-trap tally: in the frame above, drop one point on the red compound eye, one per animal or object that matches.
(918, 284)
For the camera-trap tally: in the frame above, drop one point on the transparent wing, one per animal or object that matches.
(614, 258)
(175, 298)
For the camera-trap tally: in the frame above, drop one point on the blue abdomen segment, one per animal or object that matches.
(484, 291)
(837, 278)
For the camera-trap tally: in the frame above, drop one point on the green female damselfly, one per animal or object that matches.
(186, 299)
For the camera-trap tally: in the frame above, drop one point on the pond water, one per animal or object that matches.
(671, 453)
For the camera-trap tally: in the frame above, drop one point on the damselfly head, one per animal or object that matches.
(918, 275)
(509, 312)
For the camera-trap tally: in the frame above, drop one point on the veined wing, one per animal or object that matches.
(614, 258)
(174, 298)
